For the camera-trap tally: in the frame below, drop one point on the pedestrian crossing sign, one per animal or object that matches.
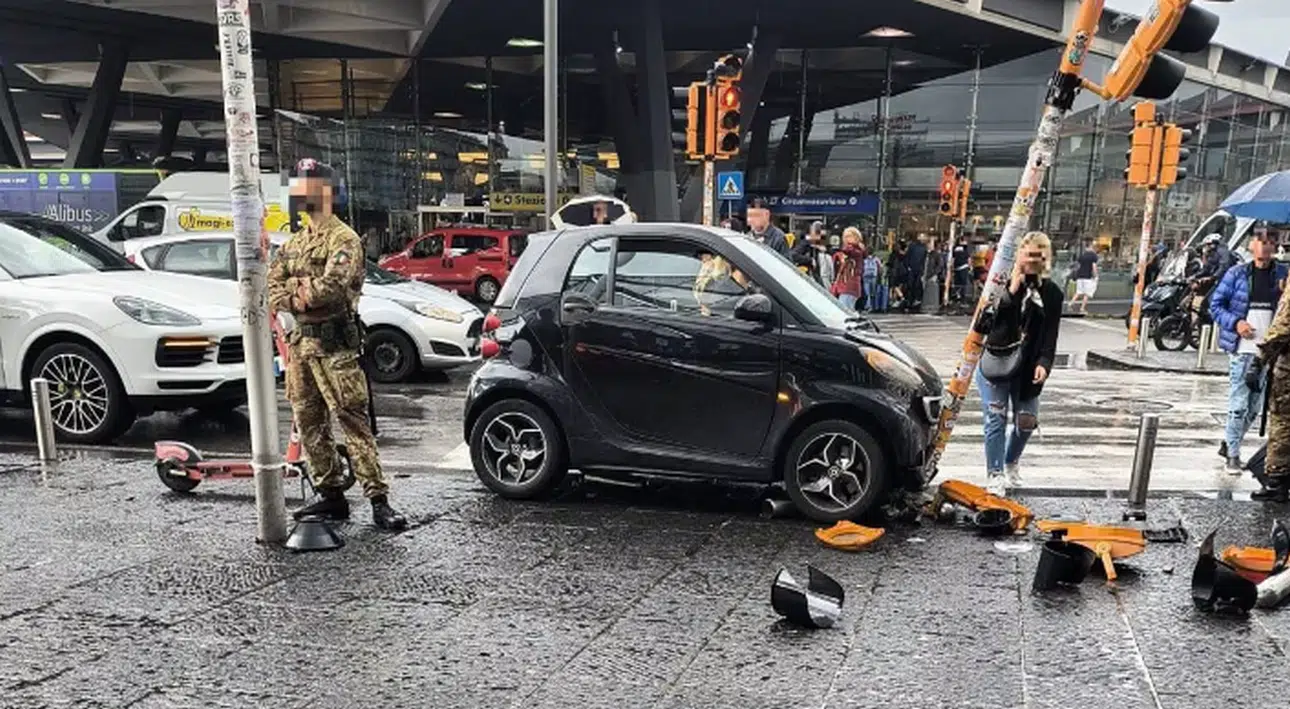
(730, 185)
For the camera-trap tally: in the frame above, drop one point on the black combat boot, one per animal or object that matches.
(1274, 490)
(386, 517)
(331, 505)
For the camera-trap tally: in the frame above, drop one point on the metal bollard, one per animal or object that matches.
(1213, 340)
(1203, 349)
(1144, 333)
(44, 420)
(1143, 457)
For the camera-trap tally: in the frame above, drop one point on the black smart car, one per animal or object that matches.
(685, 351)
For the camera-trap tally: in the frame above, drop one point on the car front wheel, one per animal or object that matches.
(87, 402)
(486, 289)
(517, 451)
(834, 471)
(392, 355)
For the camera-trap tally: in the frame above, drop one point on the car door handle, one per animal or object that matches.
(576, 307)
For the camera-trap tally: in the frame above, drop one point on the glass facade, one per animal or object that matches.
(871, 124)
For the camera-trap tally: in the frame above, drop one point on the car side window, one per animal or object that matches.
(199, 258)
(677, 276)
(590, 270)
(474, 243)
(150, 256)
(429, 247)
(151, 221)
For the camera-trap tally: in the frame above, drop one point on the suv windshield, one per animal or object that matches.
(31, 248)
(810, 294)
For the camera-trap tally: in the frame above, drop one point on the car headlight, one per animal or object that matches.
(433, 312)
(889, 366)
(151, 313)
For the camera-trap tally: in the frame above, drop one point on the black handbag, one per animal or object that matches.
(1000, 364)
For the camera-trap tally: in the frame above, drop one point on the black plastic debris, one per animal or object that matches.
(1172, 535)
(818, 605)
(314, 534)
(1062, 563)
(993, 522)
(1280, 547)
(1216, 587)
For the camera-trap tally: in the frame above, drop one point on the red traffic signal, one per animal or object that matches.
(729, 115)
(949, 202)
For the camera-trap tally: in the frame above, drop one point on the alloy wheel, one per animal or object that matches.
(78, 393)
(833, 471)
(487, 291)
(514, 448)
(387, 357)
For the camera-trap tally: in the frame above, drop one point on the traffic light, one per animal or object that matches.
(1140, 70)
(965, 191)
(687, 122)
(729, 113)
(1175, 156)
(950, 191)
(1144, 148)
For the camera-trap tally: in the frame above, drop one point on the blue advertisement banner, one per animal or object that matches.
(84, 200)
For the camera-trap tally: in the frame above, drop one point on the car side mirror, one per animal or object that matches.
(755, 308)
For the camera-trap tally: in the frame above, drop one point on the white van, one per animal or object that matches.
(191, 202)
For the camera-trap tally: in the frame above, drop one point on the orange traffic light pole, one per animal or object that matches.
(1145, 160)
(1062, 89)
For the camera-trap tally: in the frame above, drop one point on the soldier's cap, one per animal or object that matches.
(309, 167)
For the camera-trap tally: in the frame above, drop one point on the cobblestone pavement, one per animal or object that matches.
(117, 593)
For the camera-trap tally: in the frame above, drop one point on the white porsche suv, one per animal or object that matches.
(114, 341)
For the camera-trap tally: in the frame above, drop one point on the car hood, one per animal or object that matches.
(903, 352)
(205, 298)
(413, 292)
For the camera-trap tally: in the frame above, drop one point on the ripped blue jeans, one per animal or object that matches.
(1003, 447)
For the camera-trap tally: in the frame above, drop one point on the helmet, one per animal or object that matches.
(1212, 239)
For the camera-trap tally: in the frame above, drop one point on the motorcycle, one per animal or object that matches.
(1182, 328)
(1160, 300)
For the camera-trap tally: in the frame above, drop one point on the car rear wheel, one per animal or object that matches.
(392, 355)
(517, 451)
(87, 402)
(834, 471)
(486, 289)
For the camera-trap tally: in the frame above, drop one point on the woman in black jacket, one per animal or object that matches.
(1019, 350)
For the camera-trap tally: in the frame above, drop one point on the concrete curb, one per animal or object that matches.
(1215, 364)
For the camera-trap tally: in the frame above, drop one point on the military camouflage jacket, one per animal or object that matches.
(317, 276)
(1277, 339)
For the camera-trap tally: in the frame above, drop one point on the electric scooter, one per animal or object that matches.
(182, 468)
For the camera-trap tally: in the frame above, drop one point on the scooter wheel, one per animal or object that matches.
(166, 470)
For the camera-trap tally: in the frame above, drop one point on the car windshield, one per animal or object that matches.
(810, 294)
(382, 277)
(32, 248)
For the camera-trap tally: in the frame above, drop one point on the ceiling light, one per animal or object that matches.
(888, 32)
(476, 86)
(904, 62)
(446, 114)
(51, 116)
(523, 42)
(16, 90)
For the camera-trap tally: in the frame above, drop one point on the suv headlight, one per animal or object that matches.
(433, 312)
(889, 366)
(150, 313)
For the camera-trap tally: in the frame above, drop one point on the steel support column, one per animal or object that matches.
(85, 150)
(624, 125)
(16, 152)
(170, 119)
(659, 203)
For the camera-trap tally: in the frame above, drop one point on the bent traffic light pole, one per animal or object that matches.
(1062, 89)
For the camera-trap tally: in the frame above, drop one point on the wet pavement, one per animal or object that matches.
(117, 593)
(1214, 363)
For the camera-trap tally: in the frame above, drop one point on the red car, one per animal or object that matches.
(470, 261)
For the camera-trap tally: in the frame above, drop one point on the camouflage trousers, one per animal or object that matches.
(1278, 464)
(317, 387)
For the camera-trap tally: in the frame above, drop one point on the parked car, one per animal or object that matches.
(469, 260)
(410, 326)
(684, 351)
(114, 342)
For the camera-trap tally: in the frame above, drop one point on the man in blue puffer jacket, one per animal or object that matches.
(1242, 306)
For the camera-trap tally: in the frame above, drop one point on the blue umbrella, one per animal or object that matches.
(1266, 198)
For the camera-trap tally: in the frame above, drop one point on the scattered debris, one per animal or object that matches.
(977, 499)
(1217, 587)
(819, 605)
(314, 534)
(993, 522)
(849, 536)
(1258, 563)
(1019, 546)
(1062, 563)
(773, 507)
(1110, 544)
(1172, 535)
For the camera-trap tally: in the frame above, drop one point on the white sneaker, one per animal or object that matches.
(996, 485)
(1013, 471)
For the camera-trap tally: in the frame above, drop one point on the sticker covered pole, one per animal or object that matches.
(240, 120)
(1062, 89)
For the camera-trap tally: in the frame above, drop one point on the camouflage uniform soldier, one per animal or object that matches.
(1275, 350)
(317, 276)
